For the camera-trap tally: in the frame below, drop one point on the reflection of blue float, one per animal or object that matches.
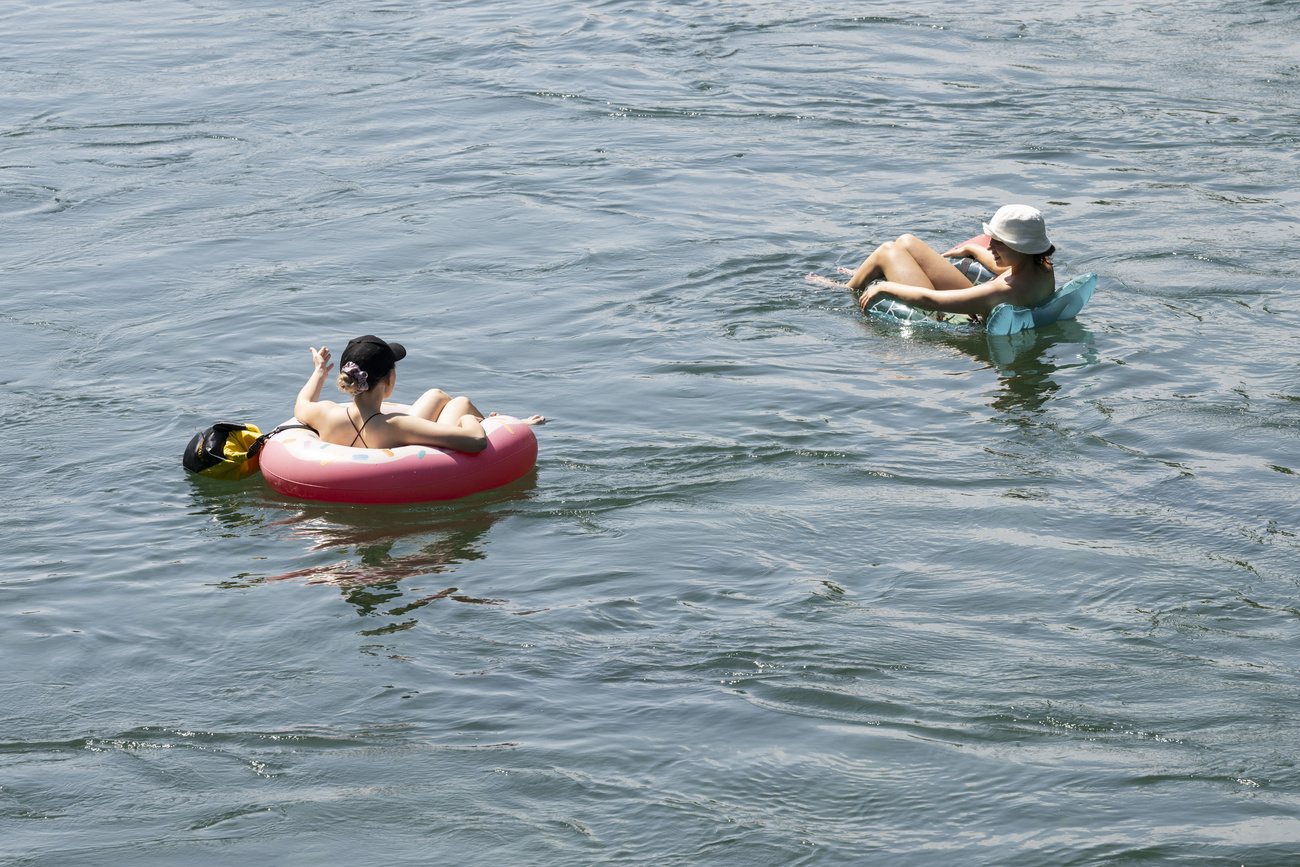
(1009, 353)
(1005, 319)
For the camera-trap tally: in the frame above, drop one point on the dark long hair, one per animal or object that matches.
(1044, 259)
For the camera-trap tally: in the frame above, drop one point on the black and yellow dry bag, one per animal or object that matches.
(224, 451)
(229, 451)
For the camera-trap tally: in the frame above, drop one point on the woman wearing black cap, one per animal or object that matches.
(1016, 269)
(369, 374)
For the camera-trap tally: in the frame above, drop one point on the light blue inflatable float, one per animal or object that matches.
(1005, 318)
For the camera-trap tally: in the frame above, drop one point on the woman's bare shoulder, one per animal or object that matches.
(1025, 290)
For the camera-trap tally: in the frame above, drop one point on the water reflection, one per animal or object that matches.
(231, 507)
(381, 541)
(1025, 362)
(381, 547)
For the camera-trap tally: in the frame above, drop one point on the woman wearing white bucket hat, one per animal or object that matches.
(1017, 268)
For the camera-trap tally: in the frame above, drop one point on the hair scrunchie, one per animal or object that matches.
(357, 374)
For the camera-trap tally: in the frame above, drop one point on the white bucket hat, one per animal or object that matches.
(1021, 228)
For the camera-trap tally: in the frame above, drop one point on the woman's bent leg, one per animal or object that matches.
(939, 270)
(431, 404)
(456, 409)
(912, 261)
(436, 405)
(890, 261)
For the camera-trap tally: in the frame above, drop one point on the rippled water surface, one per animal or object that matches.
(789, 585)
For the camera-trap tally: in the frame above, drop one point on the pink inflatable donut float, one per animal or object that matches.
(297, 464)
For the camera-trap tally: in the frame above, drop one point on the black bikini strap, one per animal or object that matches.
(364, 444)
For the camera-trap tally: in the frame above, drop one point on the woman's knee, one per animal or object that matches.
(898, 251)
(430, 404)
(885, 250)
(454, 408)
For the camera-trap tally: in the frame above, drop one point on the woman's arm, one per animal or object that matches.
(466, 435)
(979, 253)
(306, 407)
(977, 300)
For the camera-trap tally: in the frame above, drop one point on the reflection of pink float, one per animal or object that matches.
(296, 463)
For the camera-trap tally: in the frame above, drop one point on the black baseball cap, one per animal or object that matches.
(373, 355)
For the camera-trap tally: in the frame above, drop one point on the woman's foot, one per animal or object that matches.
(819, 280)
